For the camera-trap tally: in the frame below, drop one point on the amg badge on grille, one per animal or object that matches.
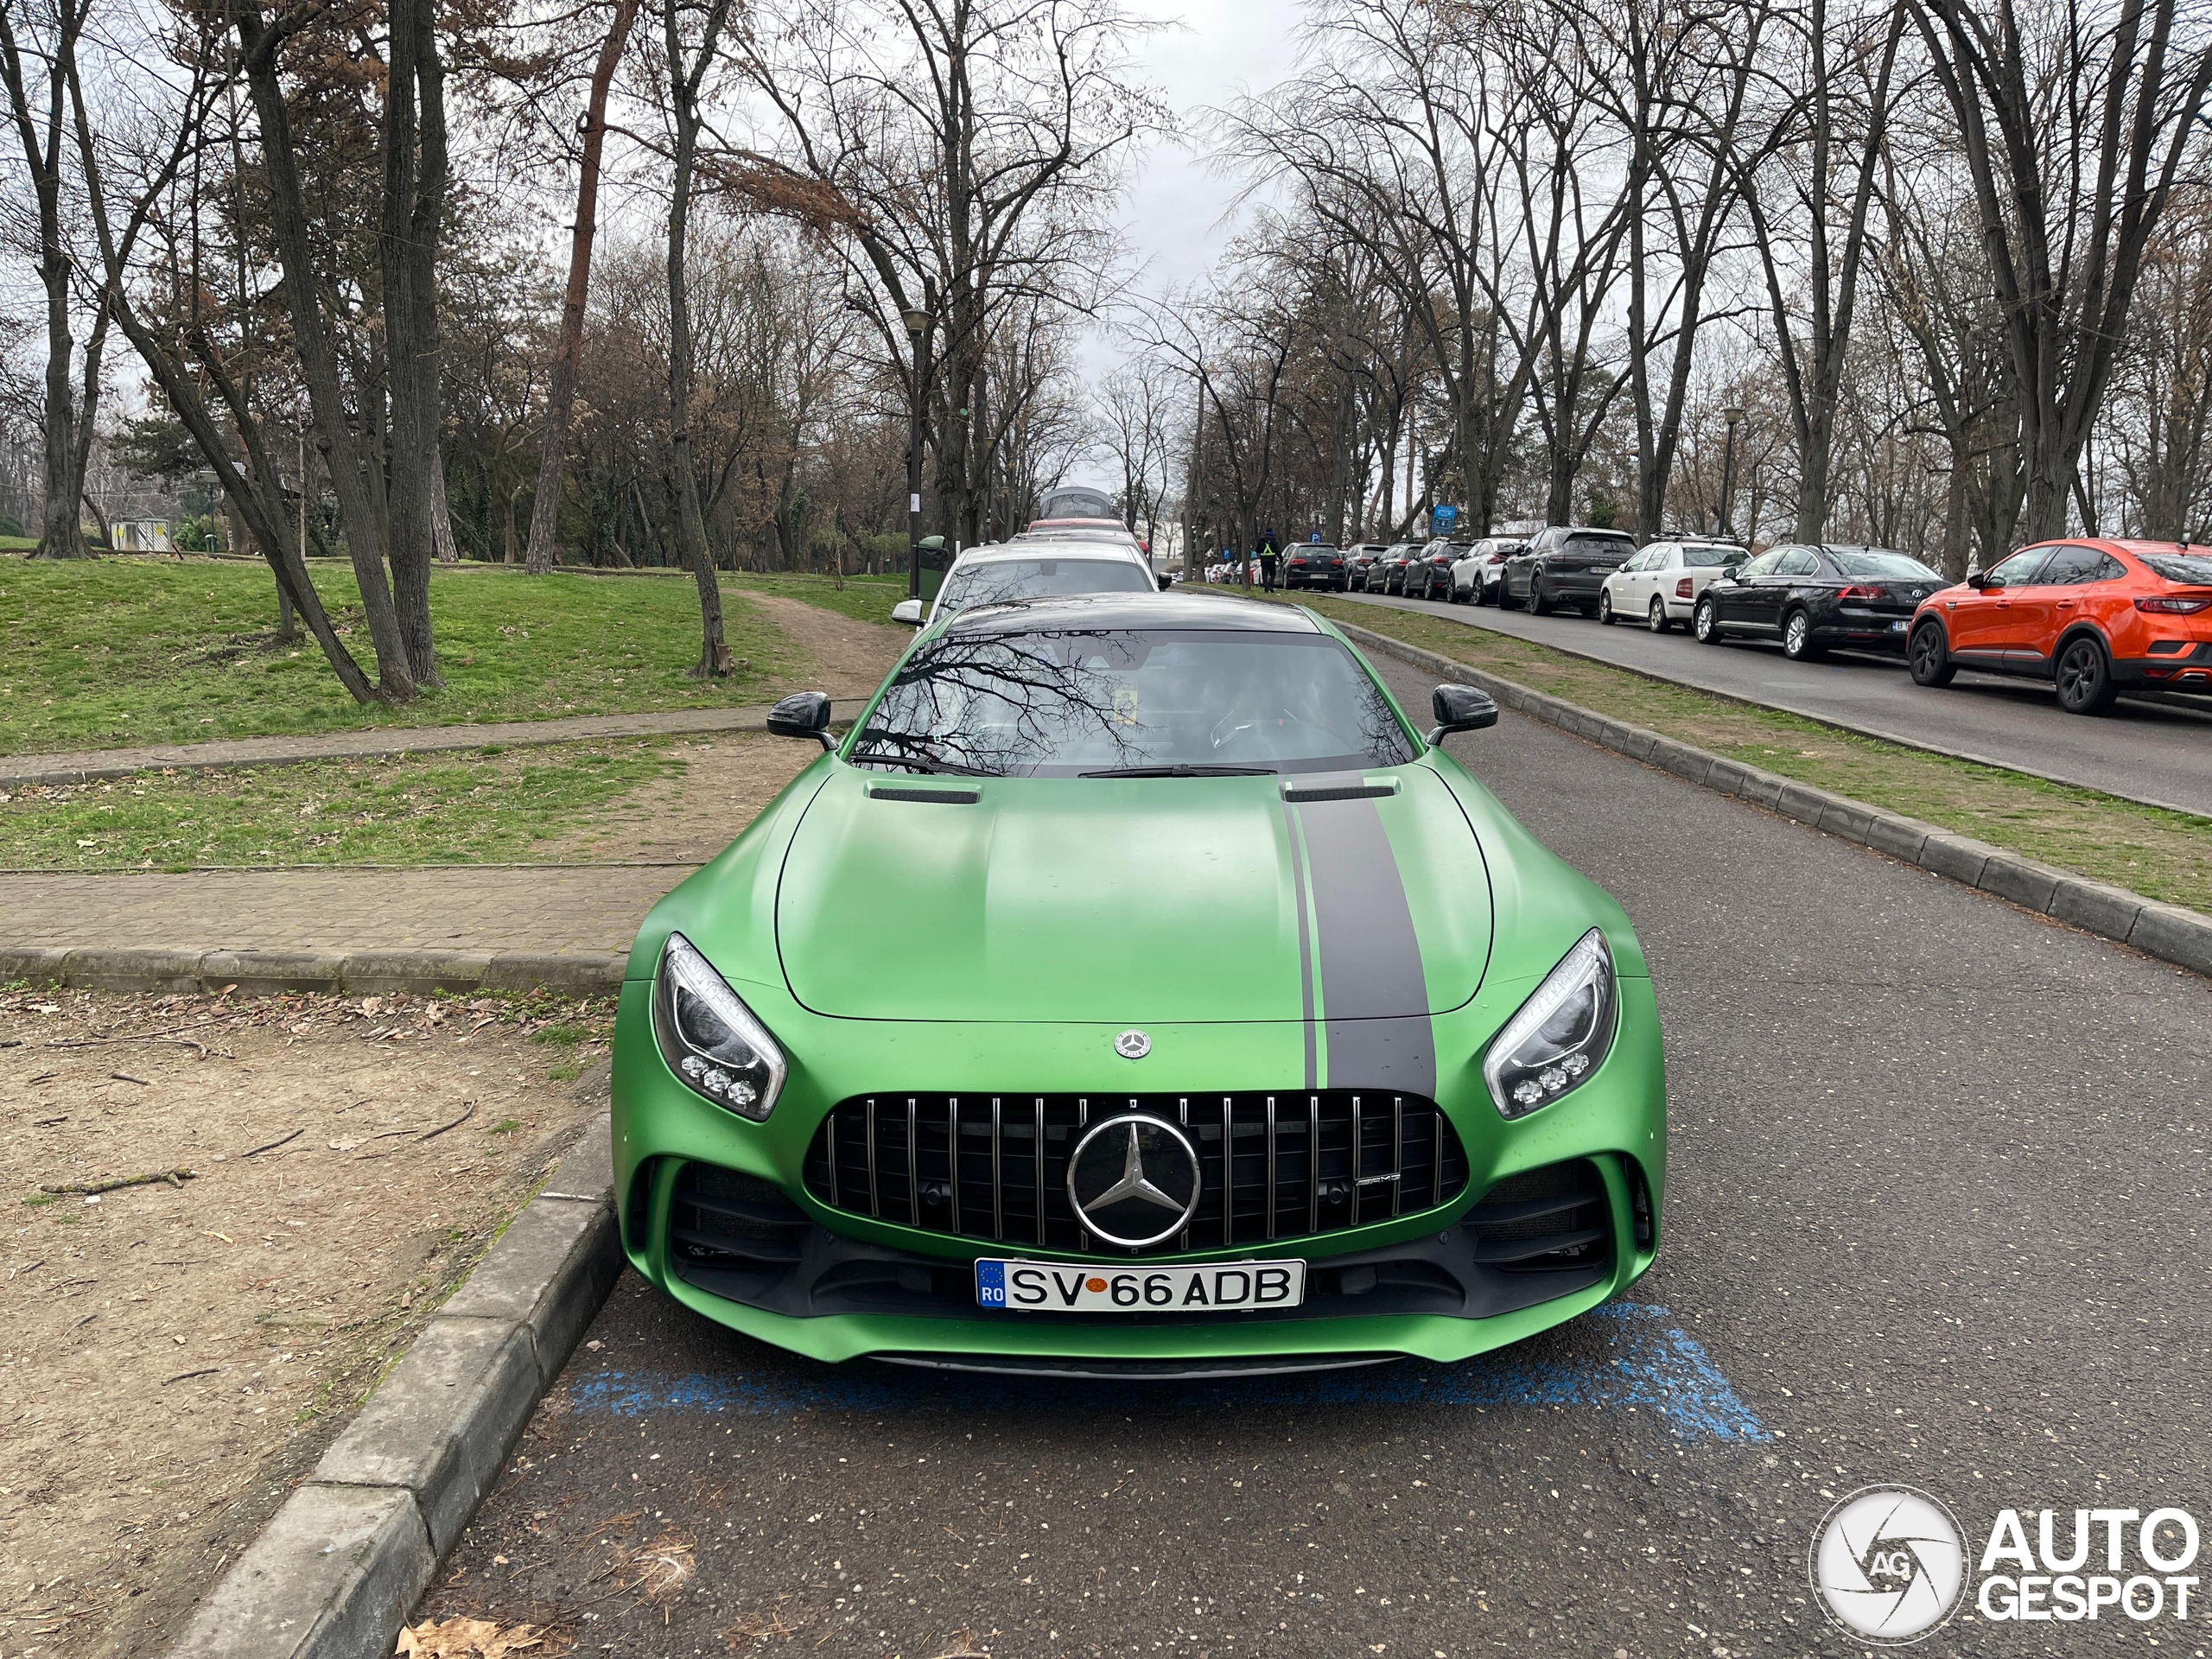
(1132, 1045)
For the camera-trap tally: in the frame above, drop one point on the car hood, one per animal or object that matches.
(1112, 900)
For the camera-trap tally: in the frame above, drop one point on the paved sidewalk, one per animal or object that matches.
(89, 765)
(541, 910)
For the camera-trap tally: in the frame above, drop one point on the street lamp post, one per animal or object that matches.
(1734, 417)
(917, 330)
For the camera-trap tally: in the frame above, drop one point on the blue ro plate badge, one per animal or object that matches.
(1016, 1286)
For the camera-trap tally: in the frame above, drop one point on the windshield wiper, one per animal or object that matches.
(1182, 769)
(917, 763)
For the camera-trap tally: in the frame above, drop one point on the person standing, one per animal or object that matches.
(1270, 554)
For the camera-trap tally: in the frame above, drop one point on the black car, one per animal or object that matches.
(1312, 564)
(1566, 564)
(1813, 597)
(1388, 573)
(1428, 573)
(1359, 560)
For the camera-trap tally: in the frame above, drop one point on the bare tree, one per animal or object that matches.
(545, 505)
(47, 33)
(2073, 125)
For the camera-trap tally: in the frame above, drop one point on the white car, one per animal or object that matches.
(1475, 579)
(1000, 572)
(1659, 584)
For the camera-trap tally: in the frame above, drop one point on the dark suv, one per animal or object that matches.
(1566, 564)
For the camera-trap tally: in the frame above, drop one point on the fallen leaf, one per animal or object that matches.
(466, 1639)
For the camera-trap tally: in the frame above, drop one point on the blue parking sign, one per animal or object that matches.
(1442, 518)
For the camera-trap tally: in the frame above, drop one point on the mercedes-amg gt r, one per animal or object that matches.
(1135, 990)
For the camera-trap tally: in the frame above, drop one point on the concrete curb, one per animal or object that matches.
(2169, 932)
(333, 1573)
(372, 972)
(92, 766)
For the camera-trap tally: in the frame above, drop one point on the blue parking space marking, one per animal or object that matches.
(1643, 1361)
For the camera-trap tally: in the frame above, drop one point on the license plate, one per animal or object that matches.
(1897, 627)
(1016, 1286)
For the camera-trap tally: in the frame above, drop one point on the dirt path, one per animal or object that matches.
(850, 657)
(174, 1357)
(728, 777)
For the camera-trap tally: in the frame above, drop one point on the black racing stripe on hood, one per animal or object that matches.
(1371, 971)
(1305, 942)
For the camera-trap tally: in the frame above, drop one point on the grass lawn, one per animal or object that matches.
(110, 652)
(493, 805)
(2166, 855)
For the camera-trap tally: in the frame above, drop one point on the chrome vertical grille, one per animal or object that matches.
(1272, 1168)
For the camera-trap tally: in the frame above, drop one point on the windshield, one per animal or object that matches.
(1001, 579)
(1058, 704)
(1704, 554)
(1878, 566)
(2194, 568)
(1601, 546)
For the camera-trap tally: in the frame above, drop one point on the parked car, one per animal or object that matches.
(1000, 573)
(1359, 560)
(1428, 573)
(1476, 575)
(1661, 584)
(1815, 597)
(1388, 573)
(872, 1097)
(2093, 617)
(1566, 564)
(1312, 564)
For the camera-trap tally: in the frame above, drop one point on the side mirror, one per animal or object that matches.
(1166, 582)
(1460, 708)
(804, 714)
(1978, 580)
(908, 611)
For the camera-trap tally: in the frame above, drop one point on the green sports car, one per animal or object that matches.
(1135, 991)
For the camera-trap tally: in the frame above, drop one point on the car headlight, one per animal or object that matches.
(710, 1039)
(1561, 1035)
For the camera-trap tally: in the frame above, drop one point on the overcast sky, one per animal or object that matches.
(1175, 214)
(1220, 50)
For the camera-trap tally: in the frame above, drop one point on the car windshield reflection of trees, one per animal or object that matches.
(1063, 704)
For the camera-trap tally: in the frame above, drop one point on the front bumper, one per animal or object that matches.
(860, 1286)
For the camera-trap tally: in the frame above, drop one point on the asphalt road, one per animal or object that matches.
(1935, 1214)
(2146, 750)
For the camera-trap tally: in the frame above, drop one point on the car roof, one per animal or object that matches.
(1084, 523)
(1168, 610)
(1064, 547)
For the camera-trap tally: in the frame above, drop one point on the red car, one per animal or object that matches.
(2095, 617)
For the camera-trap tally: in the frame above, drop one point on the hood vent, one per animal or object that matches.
(941, 796)
(1297, 792)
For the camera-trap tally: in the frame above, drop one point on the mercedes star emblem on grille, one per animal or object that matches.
(1133, 1179)
(1132, 1045)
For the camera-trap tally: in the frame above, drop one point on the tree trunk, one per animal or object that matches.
(546, 507)
(413, 209)
(715, 661)
(442, 512)
(259, 40)
(60, 527)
